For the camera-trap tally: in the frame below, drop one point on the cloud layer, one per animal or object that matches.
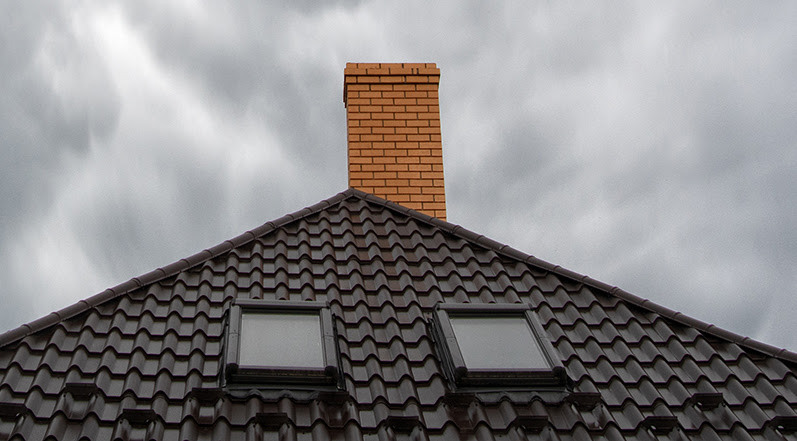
(649, 146)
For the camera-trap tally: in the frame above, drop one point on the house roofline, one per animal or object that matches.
(164, 272)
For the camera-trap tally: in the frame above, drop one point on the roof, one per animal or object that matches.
(142, 360)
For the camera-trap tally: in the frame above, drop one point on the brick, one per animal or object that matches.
(353, 69)
(358, 115)
(405, 115)
(395, 94)
(420, 109)
(359, 145)
(381, 69)
(382, 115)
(405, 101)
(382, 130)
(374, 182)
(407, 145)
(385, 175)
(418, 167)
(422, 198)
(361, 175)
(359, 130)
(409, 175)
(372, 137)
(409, 130)
(399, 197)
(368, 79)
(357, 87)
(409, 190)
(358, 102)
(373, 167)
(397, 182)
(396, 167)
(394, 109)
(419, 94)
(421, 183)
(407, 160)
(434, 205)
(418, 137)
(391, 79)
(370, 123)
(394, 123)
(407, 87)
(381, 101)
(401, 70)
(396, 152)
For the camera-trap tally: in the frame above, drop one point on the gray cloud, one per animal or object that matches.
(649, 146)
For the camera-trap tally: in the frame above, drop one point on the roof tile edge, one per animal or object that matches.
(457, 230)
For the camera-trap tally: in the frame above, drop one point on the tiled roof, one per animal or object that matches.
(143, 360)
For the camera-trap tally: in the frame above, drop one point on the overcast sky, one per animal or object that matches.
(650, 147)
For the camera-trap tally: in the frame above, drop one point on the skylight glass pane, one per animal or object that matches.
(281, 340)
(497, 343)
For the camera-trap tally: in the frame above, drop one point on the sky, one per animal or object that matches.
(652, 146)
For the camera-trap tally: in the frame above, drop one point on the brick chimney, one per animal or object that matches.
(393, 120)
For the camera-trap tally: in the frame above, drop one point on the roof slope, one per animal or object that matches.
(142, 360)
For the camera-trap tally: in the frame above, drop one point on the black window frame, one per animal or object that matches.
(263, 376)
(454, 362)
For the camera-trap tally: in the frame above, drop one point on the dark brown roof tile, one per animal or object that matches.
(150, 343)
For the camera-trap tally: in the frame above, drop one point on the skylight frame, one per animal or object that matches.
(278, 375)
(461, 375)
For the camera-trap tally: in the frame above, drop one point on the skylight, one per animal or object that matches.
(273, 343)
(503, 342)
(288, 340)
(495, 345)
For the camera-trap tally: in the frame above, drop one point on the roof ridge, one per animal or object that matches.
(641, 302)
(164, 272)
(454, 229)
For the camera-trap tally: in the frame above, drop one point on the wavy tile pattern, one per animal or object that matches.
(143, 360)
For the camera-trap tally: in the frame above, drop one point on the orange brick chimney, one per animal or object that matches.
(393, 119)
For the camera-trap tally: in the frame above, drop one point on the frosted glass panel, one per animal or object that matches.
(281, 340)
(497, 343)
